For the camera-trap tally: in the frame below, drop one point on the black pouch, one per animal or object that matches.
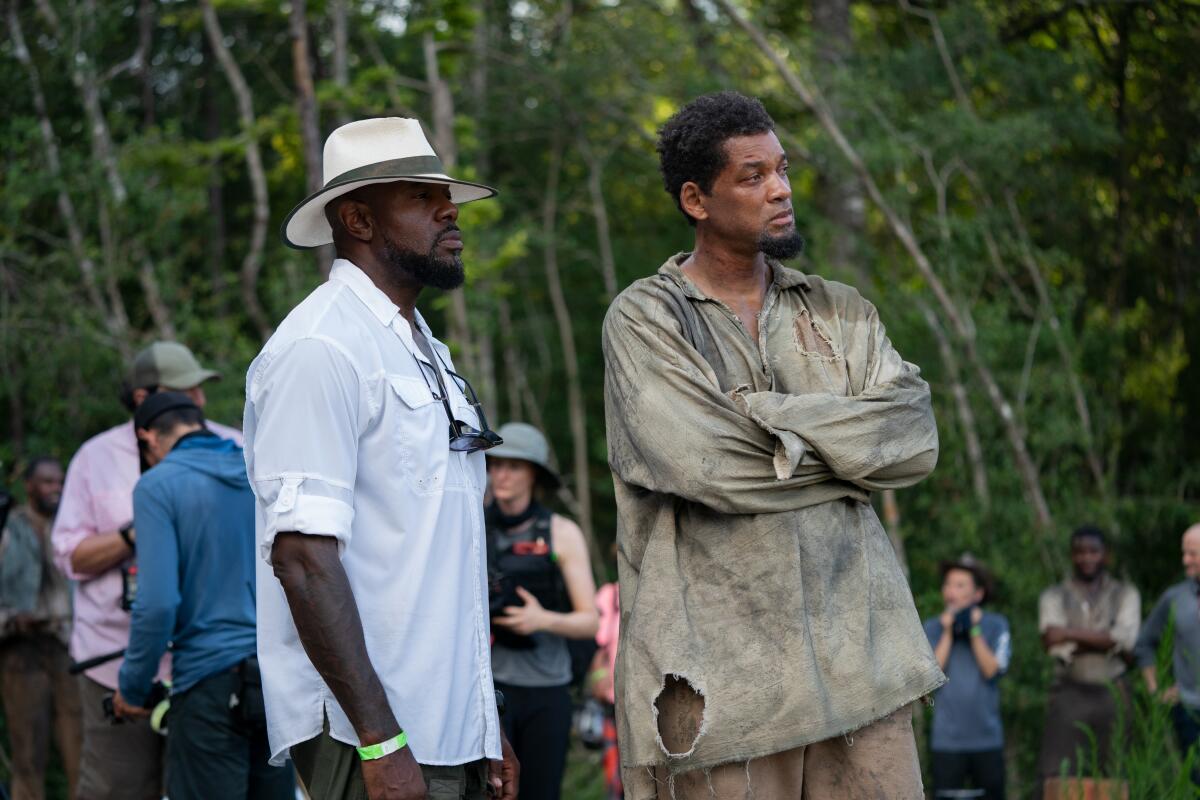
(251, 709)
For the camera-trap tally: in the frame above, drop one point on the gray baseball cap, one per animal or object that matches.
(169, 365)
(524, 442)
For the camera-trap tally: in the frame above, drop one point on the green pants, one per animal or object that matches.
(330, 771)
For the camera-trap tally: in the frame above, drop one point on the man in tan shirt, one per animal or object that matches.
(769, 642)
(1089, 625)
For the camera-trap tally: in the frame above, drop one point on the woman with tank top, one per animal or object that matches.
(542, 594)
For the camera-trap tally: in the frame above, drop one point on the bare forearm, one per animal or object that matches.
(100, 553)
(942, 651)
(989, 665)
(573, 624)
(1096, 641)
(327, 620)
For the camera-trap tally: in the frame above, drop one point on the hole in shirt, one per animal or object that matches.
(809, 338)
(679, 709)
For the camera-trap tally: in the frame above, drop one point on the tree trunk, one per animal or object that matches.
(480, 44)
(811, 98)
(446, 146)
(66, 206)
(514, 370)
(252, 262)
(838, 193)
(159, 311)
(9, 371)
(562, 315)
(146, 22)
(1066, 356)
(83, 75)
(341, 62)
(595, 186)
(215, 249)
(306, 111)
(962, 402)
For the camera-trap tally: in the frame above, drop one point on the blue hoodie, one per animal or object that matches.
(194, 515)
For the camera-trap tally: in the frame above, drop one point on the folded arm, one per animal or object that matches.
(672, 430)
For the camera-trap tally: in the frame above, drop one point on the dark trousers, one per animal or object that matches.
(537, 722)
(954, 772)
(1187, 733)
(211, 754)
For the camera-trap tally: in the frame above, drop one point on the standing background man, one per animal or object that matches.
(1089, 625)
(365, 456)
(196, 560)
(973, 647)
(35, 625)
(751, 410)
(94, 541)
(1181, 606)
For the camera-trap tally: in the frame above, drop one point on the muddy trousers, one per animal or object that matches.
(878, 762)
(39, 697)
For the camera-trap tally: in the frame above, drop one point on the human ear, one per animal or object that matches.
(357, 219)
(691, 198)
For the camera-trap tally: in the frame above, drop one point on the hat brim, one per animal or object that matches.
(549, 476)
(306, 227)
(194, 379)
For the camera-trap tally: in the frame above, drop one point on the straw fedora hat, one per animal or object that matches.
(371, 151)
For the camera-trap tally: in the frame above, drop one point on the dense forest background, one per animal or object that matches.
(1016, 185)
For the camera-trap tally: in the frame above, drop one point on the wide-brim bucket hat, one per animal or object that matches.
(366, 152)
(524, 442)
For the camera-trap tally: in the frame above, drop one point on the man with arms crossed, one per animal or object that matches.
(365, 456)
(769, 642)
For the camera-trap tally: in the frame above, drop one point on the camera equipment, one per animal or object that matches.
(6, 504)
(962, 623)
(158, 701)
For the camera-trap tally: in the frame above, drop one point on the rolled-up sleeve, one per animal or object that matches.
(310, 407)
(74, 521)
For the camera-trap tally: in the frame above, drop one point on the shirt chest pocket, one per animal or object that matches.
(421, 430)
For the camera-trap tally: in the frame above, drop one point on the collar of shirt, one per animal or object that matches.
(782, 277)
(382, 308)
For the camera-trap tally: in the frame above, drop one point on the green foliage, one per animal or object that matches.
(1085, 115)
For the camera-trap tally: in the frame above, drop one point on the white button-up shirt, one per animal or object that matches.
(345, 438)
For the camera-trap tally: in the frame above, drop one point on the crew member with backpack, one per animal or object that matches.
(542, 594)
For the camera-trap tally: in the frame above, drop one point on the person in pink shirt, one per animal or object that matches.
(600, 681)
(94, 542)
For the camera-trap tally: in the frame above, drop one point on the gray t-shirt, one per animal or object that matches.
(966, 710)
(1182, 603)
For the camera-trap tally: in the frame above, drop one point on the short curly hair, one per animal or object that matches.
(691, 145)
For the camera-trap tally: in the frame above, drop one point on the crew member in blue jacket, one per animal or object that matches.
(194, 514)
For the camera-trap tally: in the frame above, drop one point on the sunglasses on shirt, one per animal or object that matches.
(464, 438)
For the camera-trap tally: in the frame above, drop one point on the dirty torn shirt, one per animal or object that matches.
(751, 562)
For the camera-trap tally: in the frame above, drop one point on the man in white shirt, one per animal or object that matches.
(365, 457)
